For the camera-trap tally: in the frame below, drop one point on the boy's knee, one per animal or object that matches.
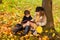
(17, 28)
(27, 27)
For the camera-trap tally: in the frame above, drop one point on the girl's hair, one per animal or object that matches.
(26, 12)
(41, 10)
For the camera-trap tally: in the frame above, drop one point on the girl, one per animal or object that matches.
(40, 19)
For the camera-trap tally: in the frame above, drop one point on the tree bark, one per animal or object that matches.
(47, 5)
(0, 1)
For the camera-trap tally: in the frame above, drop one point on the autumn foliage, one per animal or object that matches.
(11, 13)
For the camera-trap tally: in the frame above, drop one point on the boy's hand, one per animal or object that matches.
(28, 23)
(24, 25)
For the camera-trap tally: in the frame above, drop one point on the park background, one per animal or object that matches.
(11, 13)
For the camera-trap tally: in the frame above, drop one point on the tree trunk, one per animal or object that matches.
(47, 4)
(0, 1)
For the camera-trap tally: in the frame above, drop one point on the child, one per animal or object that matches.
(39, 19)
(27, 17)
(24, 24)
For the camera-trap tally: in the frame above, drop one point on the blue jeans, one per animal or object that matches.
(20, 28)
(26, 30)
(16, 29)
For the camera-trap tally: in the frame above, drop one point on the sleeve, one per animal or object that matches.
(33, 19)
(43, 21)
(24, 20)
(30, 18)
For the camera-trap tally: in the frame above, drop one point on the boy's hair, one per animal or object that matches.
(26, 12)
(38, 9)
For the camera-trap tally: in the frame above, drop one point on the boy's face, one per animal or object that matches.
(27, 15)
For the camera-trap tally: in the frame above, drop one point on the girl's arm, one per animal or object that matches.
(43, 21)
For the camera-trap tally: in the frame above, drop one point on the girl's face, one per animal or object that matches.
(41, 13)
(37, 13)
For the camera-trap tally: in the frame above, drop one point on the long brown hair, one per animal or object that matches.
(41, 10)
(41, 13)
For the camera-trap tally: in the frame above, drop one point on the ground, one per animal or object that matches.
(11, 13)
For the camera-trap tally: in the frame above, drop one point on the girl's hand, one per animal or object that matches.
(33, 25)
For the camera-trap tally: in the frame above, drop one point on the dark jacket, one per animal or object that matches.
(25, 19)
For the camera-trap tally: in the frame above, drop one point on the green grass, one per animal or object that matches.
(56, 14)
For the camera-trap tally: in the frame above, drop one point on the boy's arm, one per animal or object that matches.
(34, 18)
(24, 20)
(30, 18)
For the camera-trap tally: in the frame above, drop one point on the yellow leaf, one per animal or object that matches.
(39, 29)
(27, 36)
(46, 30)
(45, 38)
(53, 34)
(12, 38)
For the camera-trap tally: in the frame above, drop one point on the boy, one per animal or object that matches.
(24, 24)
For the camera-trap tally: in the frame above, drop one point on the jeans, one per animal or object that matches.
(26, 30)
(16, 29)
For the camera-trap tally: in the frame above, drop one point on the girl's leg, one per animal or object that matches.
(40, 38)
(33, 25)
